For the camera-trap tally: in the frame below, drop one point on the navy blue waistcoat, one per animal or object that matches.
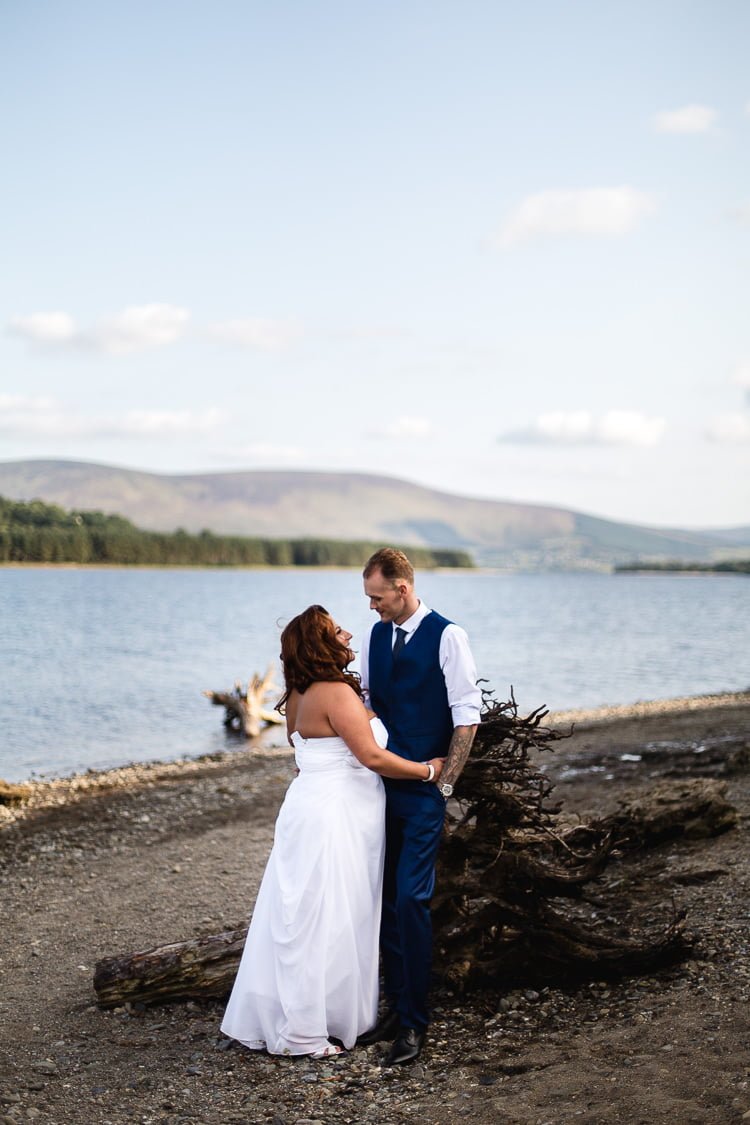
(409, 693)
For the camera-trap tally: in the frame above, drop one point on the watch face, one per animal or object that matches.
(446, 790)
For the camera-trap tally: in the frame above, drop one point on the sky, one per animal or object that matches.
(499, 249)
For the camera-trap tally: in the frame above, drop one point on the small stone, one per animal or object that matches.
(46, 1066)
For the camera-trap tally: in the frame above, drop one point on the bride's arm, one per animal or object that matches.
(348, 717)
(290, 714)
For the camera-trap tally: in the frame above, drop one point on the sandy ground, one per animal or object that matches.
(115, 862)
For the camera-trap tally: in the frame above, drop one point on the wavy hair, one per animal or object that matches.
(312, 653)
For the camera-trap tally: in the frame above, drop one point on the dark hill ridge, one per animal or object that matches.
(356, 506)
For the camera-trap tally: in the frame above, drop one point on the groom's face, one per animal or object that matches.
(388, 599)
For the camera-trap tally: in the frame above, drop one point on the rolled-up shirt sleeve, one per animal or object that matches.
(460, 672)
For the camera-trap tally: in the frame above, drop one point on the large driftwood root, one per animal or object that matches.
(510, 870)
(246, 710)
(511, 878)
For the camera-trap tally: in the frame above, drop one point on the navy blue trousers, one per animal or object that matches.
(413, 828)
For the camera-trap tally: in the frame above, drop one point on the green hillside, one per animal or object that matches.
(361, 507)
(36, 532)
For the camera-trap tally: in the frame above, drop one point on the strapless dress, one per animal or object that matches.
(309, 970)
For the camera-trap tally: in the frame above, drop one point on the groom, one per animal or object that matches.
(419, 674)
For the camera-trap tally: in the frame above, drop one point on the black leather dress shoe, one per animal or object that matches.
(386, 1028)
(409, 1043)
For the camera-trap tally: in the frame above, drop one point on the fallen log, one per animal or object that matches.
(506, 854)
(245, 709)
(203, 967)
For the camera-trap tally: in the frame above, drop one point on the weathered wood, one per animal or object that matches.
(507, 866)
(246, 709)
(203, 967)
(695, 808)
(11, 794)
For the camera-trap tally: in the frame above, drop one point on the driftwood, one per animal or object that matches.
(511, 878)
(204, 967)
(11, 794)
(510, 870)
(246, 709)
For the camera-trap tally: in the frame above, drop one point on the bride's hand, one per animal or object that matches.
(437, 764)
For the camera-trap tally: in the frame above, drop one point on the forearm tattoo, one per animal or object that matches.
(458, 752)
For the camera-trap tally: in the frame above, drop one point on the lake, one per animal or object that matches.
(102, 667)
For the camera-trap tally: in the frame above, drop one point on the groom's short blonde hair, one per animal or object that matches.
(392, 564)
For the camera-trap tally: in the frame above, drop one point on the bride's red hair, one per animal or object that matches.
(312, 653)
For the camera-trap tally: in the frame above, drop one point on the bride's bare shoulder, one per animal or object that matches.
(336, 697)
(332, 690)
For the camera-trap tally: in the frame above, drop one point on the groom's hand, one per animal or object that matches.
(437, 764)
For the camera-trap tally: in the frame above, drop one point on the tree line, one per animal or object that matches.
(727, 566)
(37, 532)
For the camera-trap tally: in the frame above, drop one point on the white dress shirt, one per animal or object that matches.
(456, 662)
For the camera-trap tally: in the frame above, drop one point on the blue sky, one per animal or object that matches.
(499, 249)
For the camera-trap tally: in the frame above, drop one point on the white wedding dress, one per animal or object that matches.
(309, 969)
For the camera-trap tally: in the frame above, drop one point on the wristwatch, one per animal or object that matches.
(446, 790)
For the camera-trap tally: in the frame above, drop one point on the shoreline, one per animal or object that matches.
(135, 858)
(56, 792)
(650, 707)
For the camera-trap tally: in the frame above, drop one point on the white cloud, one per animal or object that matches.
(256, 332)
(21, 415)
(741, 214)
(140, 327)
(134, 329)
(170, 421)
(24, 404)
(741, 375)
(686, 119)
(730, 429)
(592, 212)
(268, 453)
(407, 428)
(36, 417)
(44, 328)
(581, 427)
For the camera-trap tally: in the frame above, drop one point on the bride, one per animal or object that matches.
(309, 970)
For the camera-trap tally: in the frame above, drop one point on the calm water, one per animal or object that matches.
(104, 667)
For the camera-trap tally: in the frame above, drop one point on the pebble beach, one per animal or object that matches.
(108, 863)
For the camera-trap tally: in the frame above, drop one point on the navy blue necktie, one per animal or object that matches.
(400, 642)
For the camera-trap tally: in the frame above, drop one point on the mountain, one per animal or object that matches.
(359, 506)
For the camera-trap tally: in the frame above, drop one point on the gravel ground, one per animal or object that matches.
(110, 863)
